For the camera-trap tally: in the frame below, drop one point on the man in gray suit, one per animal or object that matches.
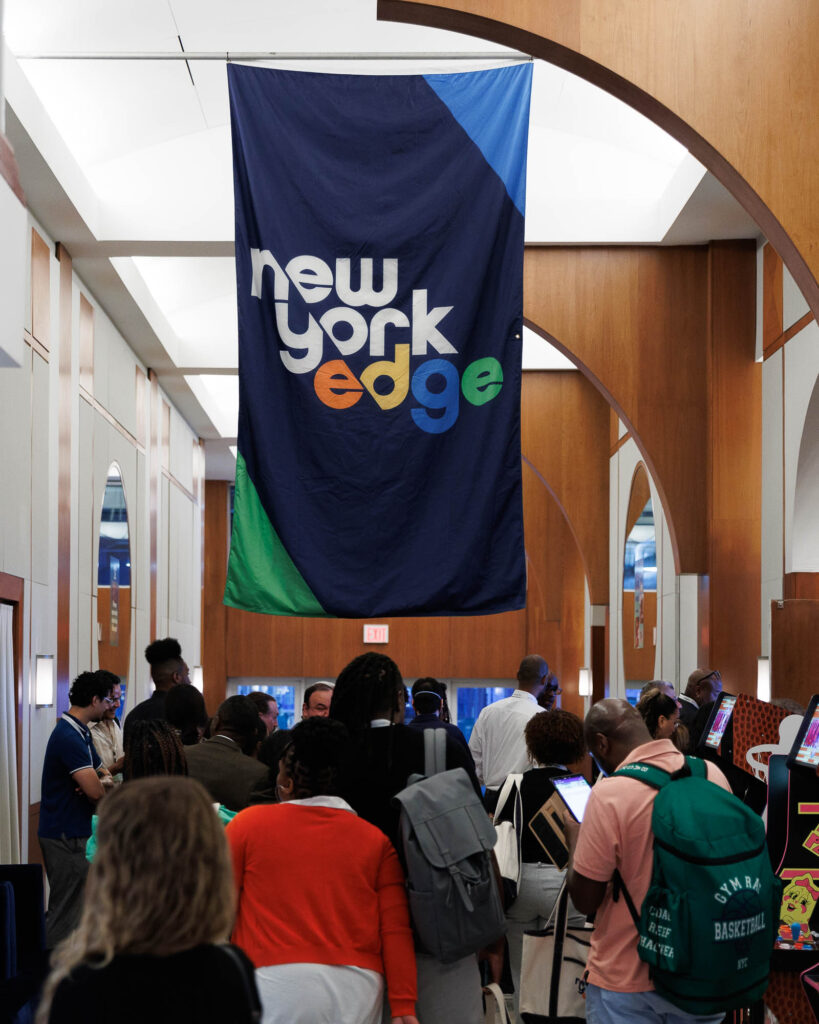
(225, 764)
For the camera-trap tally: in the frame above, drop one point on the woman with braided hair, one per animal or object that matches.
(322, 910)
(369, 698)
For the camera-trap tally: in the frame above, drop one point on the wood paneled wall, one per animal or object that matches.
(734, 493)
(667, 335)
(635, 320)
(794, 649)
(114, 658)
(564, 438)
(735, 82)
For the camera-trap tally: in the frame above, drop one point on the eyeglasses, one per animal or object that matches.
(109, 700)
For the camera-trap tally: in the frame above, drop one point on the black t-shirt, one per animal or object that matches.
(204, 985)
(383, 761)
(535, 789)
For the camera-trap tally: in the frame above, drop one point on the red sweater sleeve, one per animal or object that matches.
(396, 935)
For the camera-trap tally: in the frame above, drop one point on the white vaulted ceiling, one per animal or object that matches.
(128, 162)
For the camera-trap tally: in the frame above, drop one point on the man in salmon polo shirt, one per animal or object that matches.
(616, 834)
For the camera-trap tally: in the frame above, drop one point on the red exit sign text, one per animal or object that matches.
(376, 634)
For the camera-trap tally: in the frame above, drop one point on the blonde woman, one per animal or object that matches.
(159, 905)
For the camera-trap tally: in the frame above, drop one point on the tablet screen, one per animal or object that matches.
(575, 792)
(721, 719)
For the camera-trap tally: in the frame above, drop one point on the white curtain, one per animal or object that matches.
(9, 817)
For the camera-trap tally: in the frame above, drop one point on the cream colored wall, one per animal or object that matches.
(622, 467)
(789, 379)
(29, 511)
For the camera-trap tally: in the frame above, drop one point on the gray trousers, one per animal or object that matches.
(66, 868)
(447, 993)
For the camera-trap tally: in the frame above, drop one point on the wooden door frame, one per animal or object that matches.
(12, 591)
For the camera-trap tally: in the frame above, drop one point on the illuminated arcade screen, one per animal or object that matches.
(808, 753)
(721, 720)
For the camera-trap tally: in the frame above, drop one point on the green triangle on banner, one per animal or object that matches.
(261, 575)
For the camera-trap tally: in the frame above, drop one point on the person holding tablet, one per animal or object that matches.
(554, 741)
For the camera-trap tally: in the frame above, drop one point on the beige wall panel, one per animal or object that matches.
(181, 453)
(182, 537)
(15, 469)
(163, 559)
(15, 240)
(103, 332)
(43, 641)
(41, 483)
(89, 504)
(794, 304)
(140, 677)
(140, 543)
(114, 363)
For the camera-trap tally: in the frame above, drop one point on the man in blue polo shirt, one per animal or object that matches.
(72, 783)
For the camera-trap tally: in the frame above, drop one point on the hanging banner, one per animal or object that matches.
(379, 264)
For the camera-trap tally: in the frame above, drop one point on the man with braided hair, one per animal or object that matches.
(168, 669)
(369, 698)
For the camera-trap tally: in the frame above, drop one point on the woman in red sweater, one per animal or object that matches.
(322, 910)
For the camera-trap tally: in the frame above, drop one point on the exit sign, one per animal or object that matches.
(376, 634)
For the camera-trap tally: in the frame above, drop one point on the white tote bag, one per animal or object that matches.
(553, 970)
(507, 847)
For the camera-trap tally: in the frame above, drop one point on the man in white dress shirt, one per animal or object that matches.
(497, 743)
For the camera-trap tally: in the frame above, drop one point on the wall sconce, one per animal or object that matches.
(44, 680)
(584, 683)
(763, 678)
(198, 679)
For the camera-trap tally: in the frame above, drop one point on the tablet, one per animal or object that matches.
(719, 723)
(805, 750)
(574, 792)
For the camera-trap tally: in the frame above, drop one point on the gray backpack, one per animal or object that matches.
(448, 838)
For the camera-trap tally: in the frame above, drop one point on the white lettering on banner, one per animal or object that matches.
(424, 330)
(378, 324)
(310, 340)
(314, 280)
(366, 294)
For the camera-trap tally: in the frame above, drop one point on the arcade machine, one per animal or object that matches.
(793, 843)
(750, 740)
(735, 723)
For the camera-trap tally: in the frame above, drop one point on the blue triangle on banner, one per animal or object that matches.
(487, 104)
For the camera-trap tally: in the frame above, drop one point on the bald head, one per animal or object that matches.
(532, 673)
(613, 729)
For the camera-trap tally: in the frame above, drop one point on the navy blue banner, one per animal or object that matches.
(379, 264)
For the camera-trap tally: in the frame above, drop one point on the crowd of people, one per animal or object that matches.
(224, 869)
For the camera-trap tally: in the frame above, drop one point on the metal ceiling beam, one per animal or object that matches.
(248, 57)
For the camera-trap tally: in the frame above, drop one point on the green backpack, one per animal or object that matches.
(710, 916)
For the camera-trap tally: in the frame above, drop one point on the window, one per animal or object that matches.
(285, 698)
